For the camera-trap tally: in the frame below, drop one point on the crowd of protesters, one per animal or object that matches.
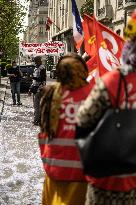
(71, 104)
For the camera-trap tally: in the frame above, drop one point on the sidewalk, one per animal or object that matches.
(3, 87)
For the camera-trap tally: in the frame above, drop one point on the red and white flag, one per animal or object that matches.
(103, 43)
(48, 24)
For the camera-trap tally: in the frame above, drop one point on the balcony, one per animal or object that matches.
(105, 13)
(41, 22)
(35, 5)
(41, 34)
(120, 3)
(129, 3)
(42, 10)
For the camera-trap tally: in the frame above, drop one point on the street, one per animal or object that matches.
(21, 172)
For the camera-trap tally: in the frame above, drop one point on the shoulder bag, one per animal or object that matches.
(110, 149)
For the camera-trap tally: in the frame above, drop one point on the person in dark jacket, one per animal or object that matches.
(14, 75)
(39, 79)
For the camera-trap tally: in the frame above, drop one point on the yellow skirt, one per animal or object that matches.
(63, 193)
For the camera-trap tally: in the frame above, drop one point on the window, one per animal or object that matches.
(66, 6)
(41, 21)
(98, 4)
(44, 2)
(62, 9)
(41, 29)
(120, 3)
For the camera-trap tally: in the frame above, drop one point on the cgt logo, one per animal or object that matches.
(69, 112)
(108, 54)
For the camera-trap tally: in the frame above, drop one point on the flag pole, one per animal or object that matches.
(49, 22)
(56, 25)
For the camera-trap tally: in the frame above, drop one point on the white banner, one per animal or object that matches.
(54, 48)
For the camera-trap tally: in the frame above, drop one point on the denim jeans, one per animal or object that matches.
(15, 89)
(37, 98)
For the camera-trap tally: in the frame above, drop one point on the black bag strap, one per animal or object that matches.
(122, 79)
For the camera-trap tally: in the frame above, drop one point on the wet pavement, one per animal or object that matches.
(21, 172)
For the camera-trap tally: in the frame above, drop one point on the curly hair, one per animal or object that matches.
(65, 70)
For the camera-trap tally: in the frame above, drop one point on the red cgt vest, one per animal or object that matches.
(111, 79)
(60, 155)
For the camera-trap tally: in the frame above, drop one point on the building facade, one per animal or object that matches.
(114, 13)
(60, 12)
(26, 34)
(38, 12)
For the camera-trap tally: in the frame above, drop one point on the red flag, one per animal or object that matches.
(89, 36)
(102, 41)
(48, 24)
(92, 70)
(92, 63)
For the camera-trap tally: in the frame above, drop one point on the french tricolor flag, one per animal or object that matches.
(77, 26)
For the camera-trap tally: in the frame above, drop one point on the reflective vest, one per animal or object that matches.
(111, 79)
(60, 155)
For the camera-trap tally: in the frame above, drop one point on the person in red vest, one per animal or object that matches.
(64, 181)
(114, 190)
